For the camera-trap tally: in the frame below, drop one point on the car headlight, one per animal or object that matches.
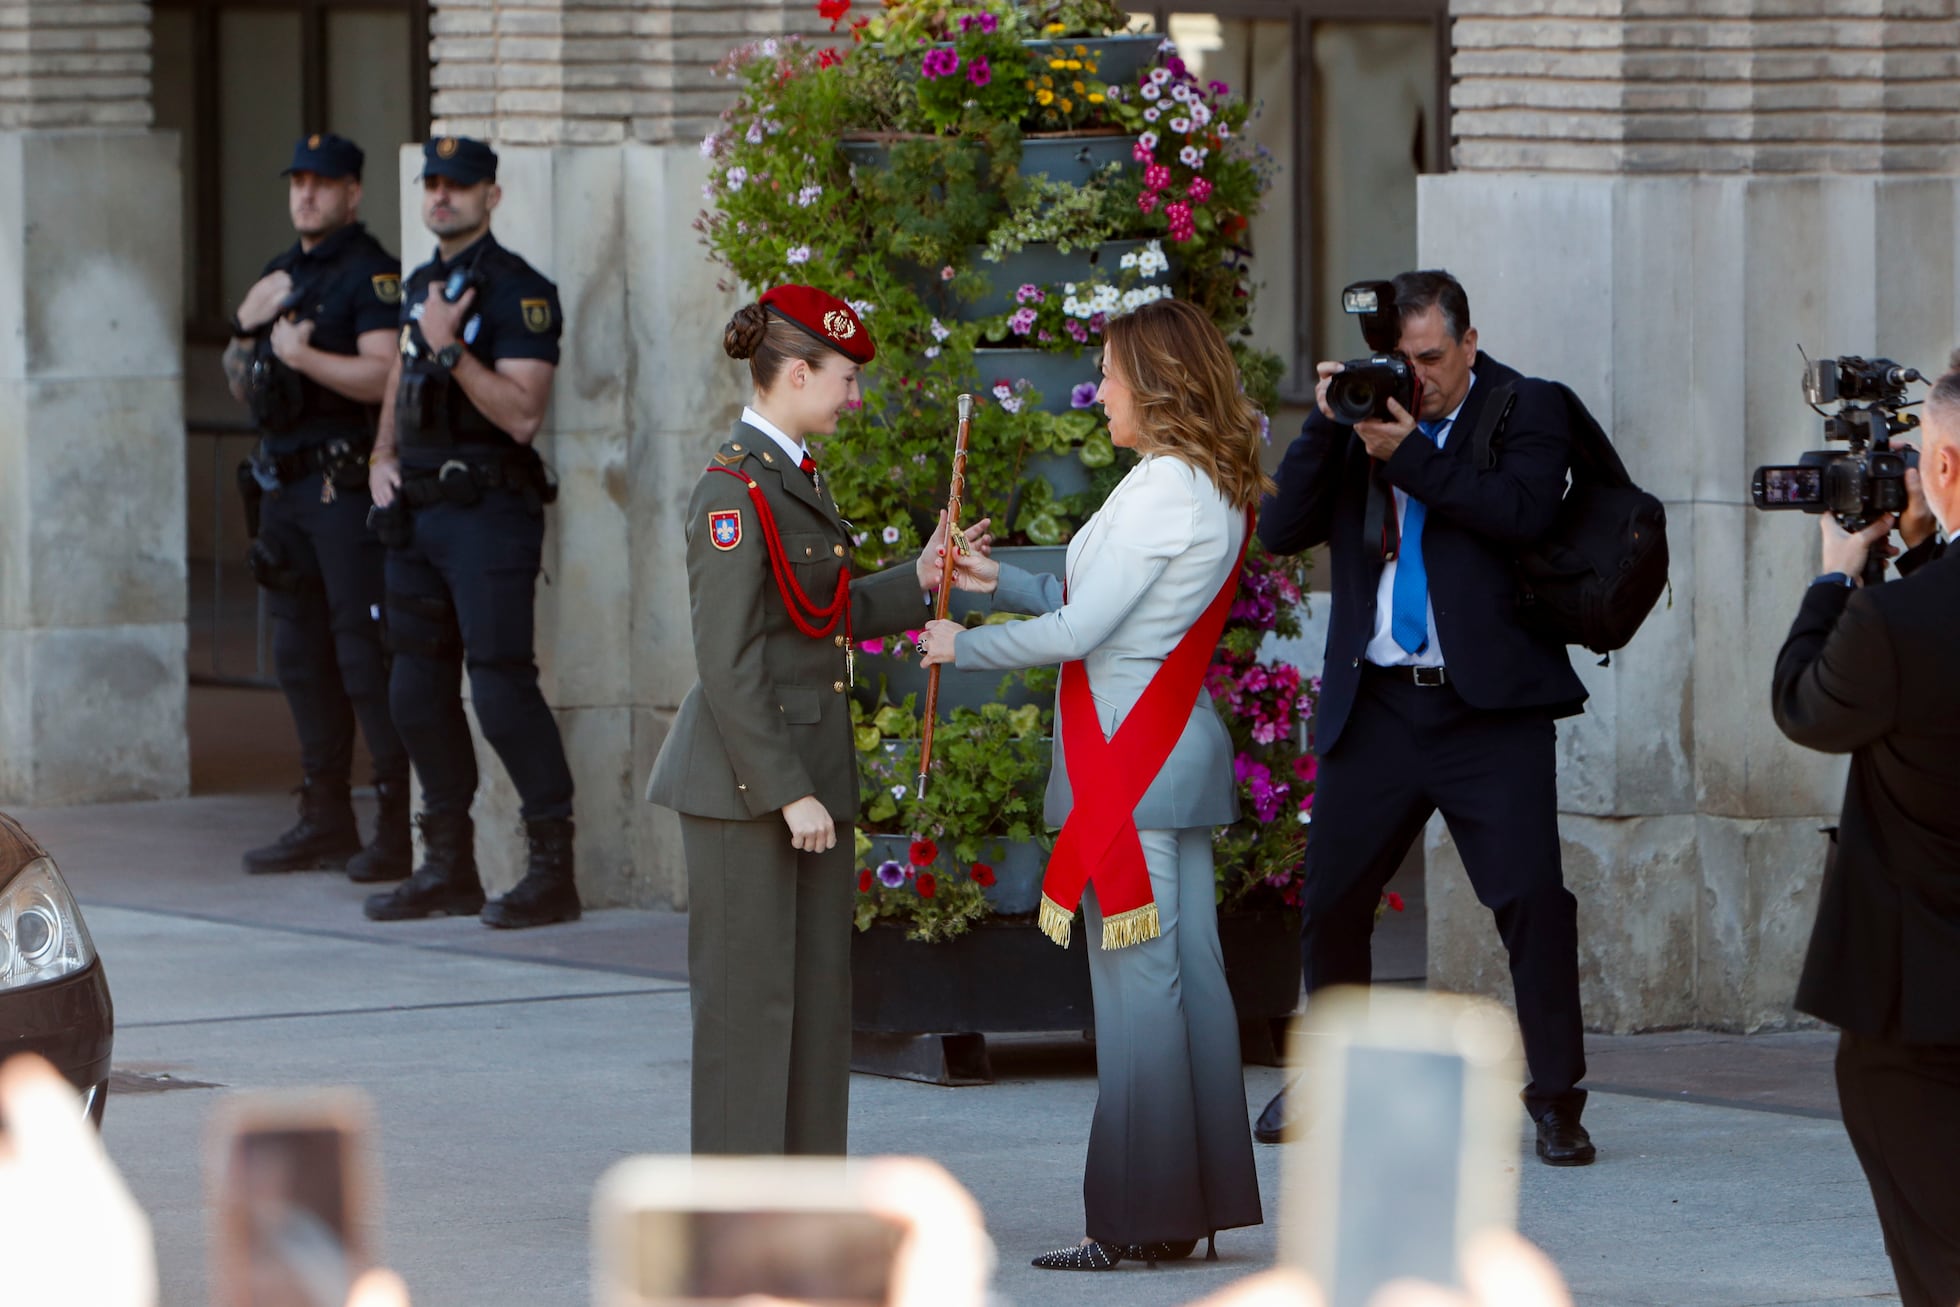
(42, 937)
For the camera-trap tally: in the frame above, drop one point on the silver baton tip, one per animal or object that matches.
(966, 407)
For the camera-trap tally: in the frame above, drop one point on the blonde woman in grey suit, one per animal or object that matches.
(1149, 580)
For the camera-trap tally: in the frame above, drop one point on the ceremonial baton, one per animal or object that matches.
(955, 541)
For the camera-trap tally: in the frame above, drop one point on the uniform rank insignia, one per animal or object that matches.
(537, 314)
(387, 287)
(725, 528)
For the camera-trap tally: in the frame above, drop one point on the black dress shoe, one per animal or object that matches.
(1091, 1256)
(1273, 1124)
(1168, 1251)
(1562, 1141)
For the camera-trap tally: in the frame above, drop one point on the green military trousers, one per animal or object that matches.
(769, 968)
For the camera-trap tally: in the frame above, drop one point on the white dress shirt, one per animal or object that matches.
(794, 448)
(1382, 649)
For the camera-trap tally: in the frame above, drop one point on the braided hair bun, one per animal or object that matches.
(745, 331)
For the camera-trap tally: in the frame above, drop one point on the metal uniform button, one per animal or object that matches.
(806, 551)
(838, 686)
(839, 551)
(740, 786)
(1355, 663)
(840, 642)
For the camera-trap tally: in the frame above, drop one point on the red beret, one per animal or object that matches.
(824, 316)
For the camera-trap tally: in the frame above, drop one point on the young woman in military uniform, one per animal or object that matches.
(760, 763)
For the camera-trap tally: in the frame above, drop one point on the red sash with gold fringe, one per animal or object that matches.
(1108, 777)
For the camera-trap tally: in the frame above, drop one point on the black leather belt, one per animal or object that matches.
(1431, 676)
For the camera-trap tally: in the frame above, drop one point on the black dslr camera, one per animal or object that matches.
(1360, 391)
(1867, 479)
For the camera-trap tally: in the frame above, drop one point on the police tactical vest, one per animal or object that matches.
(282, 399)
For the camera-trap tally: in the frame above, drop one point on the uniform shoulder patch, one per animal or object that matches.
(387, 287)
(537, 314)
(725, 528)
(727, 459)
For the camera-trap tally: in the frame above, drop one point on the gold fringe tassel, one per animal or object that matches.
(1132, 927)
(1056, 921)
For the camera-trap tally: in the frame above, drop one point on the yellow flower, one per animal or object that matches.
(1068, 106)
(1082, 49)
(1074, 64)
(1056, 27)
(1080, 88)
(1095, 98)
(1044, 97)
(1058, 63)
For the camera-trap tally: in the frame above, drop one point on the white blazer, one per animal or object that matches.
(1140, 573)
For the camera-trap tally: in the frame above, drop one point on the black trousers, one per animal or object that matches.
(326, 634)
(462, 590)
(1901, 1105)
(1408, 751)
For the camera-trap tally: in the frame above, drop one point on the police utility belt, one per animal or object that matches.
(463, 481)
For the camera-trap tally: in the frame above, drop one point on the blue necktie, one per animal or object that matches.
(1408, 623)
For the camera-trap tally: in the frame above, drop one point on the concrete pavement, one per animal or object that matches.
(510, 1070)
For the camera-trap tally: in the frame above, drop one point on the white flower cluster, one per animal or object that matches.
(735, 177)
(1150, 260)
(1102, 299)
(798, 254)
(863, 308)
(808, 196)
(709, 144)
(1135, 299)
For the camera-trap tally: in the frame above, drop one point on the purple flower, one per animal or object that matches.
(1029, 293)
(1176, 66)
(978, 72)
(988, 23)
(891, 874)
(940, 63)
(1083, 396)
(1076, 330)
(1022, 322)
(1219, 88)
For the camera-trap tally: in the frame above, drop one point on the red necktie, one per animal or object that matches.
(809, 465)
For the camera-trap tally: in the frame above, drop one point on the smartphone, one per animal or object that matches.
(1410, 1143)
(292, 1198)
(674, 1231)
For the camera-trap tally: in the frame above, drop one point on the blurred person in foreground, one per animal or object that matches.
(1866, 671)
(70, 1232)
(1142, 775)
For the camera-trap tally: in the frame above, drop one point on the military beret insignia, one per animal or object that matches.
(838, 323)
(725, 528)
(446, 147)
(537, 314)
(387, 287)
(313, 141)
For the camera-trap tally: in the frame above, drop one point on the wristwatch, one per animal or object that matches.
(1834, 578)
(449, 355)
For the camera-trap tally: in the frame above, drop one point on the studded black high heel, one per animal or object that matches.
(1211, 1246)
(1169, 1251)
(1091, 1256)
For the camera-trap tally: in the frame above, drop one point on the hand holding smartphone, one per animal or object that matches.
(1410, 1147)
(292, 1198)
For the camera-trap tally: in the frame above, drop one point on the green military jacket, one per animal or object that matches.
(770, 719)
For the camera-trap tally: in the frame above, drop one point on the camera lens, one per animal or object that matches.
(1358, 394)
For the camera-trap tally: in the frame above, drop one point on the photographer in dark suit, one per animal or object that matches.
(1435, 696)
(1870, 672)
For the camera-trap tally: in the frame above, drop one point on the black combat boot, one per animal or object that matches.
(547, 893)
(391, 855)
(323, 839)
(445, 882)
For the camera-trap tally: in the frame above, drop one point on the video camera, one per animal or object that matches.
(1867, 480)
(1360, 391)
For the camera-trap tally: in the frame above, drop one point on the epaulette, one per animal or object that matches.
(731, 453)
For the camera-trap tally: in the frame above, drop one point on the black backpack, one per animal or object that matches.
(1598, 572)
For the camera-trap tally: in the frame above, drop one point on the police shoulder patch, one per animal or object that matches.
(537, 314)
(387, 287)
(725, 528)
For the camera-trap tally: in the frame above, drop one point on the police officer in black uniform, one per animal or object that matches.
(310, 352)
(460, 496)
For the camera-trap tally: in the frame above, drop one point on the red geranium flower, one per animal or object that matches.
(982, 874)
(923, 852)
(1394, 901)
(834, 10)
(926, 884)
(828, 57)
(864, 880)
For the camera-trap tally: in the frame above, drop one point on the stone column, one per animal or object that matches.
(92, 542)
(597, 110)
(1656, 202)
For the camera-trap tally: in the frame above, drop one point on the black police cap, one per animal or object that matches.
(326, 155)
(460, 159)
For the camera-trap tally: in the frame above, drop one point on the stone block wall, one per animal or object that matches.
(1707, 86)
(92, 637)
